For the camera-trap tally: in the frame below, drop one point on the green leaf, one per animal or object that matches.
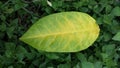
(9, 10)
(50, 67)
(81, 57)
(77, 65)
(20, 53)
(19, 4)
(10, 67)
(62, 32)
(10, 47)
(108, 8)
(67, 65)
(97, 64)
(116, 11)
(114, 27)
(56, 4)
(108, 19)
(117, 37)
(52, 56)
(107, 36)
(2, 27)
(36, 62)
(10, 31)
(109, 49)
(2, 17)
(87, 65)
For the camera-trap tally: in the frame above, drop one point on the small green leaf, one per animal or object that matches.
(52, 56)
(107, 36)
(114, 27)
(62, 32)
(56, 4)
(50, 67)
(98, 64)
(104, 56)
(108, 49)
(116, 11)
(86, 64)
(10, 31)
(2, 27)
(20, 53)
(19, 4)
(77, 65)
(108, 8)
(117, 37)
(10, 67)
(30, 55)
(81, 57)
(99, 20)
(10, 48)
(108, 19)
(9, 10)
(36, 62)
(64, 66)
(2, 17)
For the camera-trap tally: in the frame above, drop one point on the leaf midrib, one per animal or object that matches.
(60, 33)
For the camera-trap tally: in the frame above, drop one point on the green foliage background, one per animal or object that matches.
(16, 16)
